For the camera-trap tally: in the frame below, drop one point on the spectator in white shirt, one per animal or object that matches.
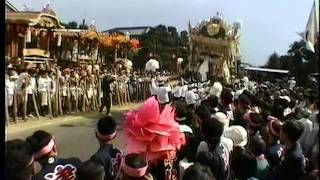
(177, 92)
(31, 89)
(305, 141)
(52, 88)
(43, 89)
(292, 83)
(184, 90)
(10, 88)
(191, 97)
(22, 82)
(162, 93)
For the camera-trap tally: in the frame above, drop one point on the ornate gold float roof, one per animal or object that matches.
(38, 19)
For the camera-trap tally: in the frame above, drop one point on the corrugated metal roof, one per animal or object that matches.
(266, 70)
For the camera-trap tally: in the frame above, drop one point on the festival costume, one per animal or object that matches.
(108, 156)
(53, 167)
(10, 86)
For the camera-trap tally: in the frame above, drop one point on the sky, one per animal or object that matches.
(269, 25)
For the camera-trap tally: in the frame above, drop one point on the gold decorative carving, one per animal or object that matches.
(36, 52)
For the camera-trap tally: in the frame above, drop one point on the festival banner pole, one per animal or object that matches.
(24, 101)
(49, 103)
(77, 96)
(15, 119)
(35, 105)
(6, 109)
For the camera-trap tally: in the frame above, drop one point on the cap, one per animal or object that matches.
(221, 117)
(238, 135)
(286, 98)
(216, 89)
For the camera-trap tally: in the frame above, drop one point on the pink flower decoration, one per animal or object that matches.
(153, 133)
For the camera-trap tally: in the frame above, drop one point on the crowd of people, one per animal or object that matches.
(49, 90)
(244, 130)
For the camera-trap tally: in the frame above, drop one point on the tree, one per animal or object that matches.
(273, 61)
(184, 38)
(163, 41)
(72, 25)
(83, 26)
(299, 61)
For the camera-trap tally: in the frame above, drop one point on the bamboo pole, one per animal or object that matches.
(49, 103)
(15, 118)
(77, 96)
(83, 98)
(6, 108)
(24, 98)
(124, 88)
(86, 100)
(68, 98)
(35, 105)
(60, 100)
(96, 94)
(99, 90)
(57, 93)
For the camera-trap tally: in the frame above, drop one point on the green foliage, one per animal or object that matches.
(74, 25)
(298, 60)
(83, 26)
(274, 61)
(164, 42)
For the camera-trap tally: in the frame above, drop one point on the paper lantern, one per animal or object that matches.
(28, 35)
(59, 40)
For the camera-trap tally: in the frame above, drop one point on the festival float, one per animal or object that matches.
(30, 35)
(118, 45)
(215, 48)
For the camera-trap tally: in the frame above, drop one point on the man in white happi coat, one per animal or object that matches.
(177, 92)
(162, 93)
(23, 82)
(191, 96)
(31, 90)
(43, 90)
(10, 88)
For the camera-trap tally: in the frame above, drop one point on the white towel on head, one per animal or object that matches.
(216, 89)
